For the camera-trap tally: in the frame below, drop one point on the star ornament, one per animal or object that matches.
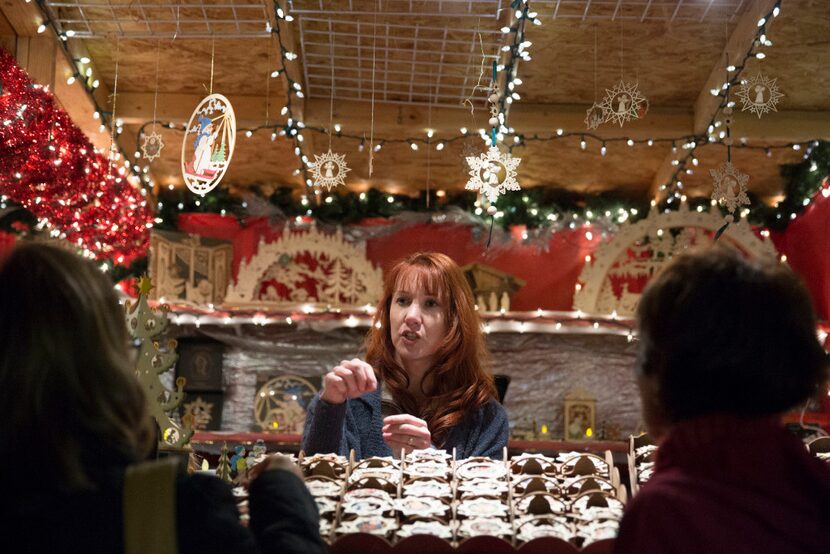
(151, 146)
(493, 173)
(329, 170)
(729, 187)
(144, 285)
(623, 103)
(759, 95)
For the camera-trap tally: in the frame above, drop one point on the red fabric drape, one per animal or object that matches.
(806, 243)
(550, 275)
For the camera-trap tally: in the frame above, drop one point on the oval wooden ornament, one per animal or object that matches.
(208, 144)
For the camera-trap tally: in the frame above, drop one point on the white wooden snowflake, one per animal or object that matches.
(759, 95)
(493, 173)
(151, 146)
(594, 116)
(623, 103)
(729, 187)
(329, 170)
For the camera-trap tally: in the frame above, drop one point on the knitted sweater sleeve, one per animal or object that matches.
(493, 431)
(324, 430)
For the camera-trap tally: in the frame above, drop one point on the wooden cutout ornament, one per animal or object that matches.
(208, 144)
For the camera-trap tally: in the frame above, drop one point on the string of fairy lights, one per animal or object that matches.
(84, 76)
(514, 51)
(716, 130)
(527, 209)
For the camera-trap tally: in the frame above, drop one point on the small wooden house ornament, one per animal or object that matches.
(580, 415)
(189, 268)
(492, 289)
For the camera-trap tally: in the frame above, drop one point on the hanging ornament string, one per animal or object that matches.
(113, 145)
(622, 52)
(595, 63)
(491, 209)
(372, 124)
(156, 93)
(268, 82)
(429, 133)
(212, 57)
(594, 115)
(468, 100)
(152, 144)
(331, 90)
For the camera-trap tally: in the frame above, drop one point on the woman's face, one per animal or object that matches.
(417, 324)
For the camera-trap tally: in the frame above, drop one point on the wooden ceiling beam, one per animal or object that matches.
(788, 126)
(136, 108)
(740, 41)
(706, 105)
(391, 120)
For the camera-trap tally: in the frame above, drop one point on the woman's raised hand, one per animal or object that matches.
(406, 432)
(350, 379)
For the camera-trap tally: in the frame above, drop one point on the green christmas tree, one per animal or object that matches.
(145, 325)
(223, 470)
(219, 155)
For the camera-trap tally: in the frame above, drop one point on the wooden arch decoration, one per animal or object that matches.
(615, 276)
(307, 267)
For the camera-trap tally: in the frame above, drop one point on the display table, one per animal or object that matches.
(291, 442)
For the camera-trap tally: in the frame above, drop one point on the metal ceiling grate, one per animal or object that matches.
(687, 11)
(161, 18)
(423, 52)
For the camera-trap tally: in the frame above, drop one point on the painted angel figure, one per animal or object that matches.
(759, 94)
(329, 170)
(492, 174)
(622, 105)
(730, 187)
(203, 146)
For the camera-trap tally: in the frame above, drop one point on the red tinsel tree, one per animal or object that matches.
(48, 166)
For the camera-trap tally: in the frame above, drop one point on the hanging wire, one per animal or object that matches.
(372, 125)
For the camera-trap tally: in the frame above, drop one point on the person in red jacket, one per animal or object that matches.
(726, 346)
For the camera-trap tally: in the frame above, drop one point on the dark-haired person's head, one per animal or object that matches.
(70, 404)
(720, 334)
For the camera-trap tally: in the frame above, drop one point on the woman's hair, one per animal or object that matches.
(70, 404)
(722, 334)
(458, 380)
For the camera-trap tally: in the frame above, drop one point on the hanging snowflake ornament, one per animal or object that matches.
(759, 95)
(493, 173)
(594, 116)
(729, 188)
(151, 146)
(329, 170)
(623, 103)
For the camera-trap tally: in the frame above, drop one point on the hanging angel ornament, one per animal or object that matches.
(759, 95)
(594, 116)
(729, 188)
(329, 170)
(623, 103)
(208, 144)
(493, 173)
(151, 146)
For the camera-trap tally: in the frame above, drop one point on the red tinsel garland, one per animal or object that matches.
(49, 167)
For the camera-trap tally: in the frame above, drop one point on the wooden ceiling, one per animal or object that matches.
(428, 58)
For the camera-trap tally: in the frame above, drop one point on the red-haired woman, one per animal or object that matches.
(423, 382)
